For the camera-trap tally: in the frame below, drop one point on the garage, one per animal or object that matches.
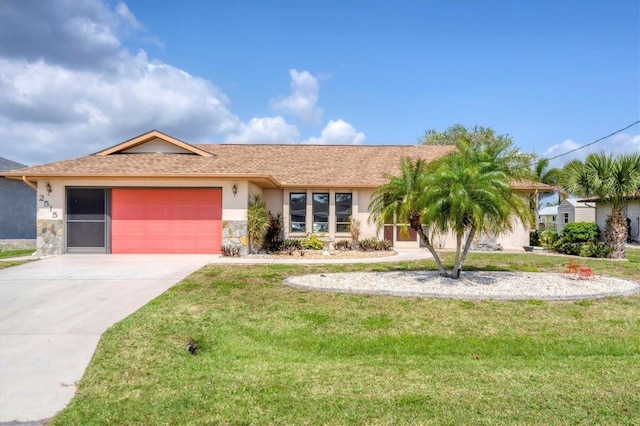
(166, 220)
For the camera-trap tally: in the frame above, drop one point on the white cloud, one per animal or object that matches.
(69, 88)
(617, 144)
(128, 17)
(265, 130)
(301, 103)
(75, 109)
(338, 132)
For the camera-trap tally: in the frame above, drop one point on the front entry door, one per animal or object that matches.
(86, 220)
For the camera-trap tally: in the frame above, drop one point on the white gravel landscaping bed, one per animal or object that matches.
(472, 285)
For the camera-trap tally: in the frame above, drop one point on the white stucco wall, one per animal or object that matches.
(632, 211)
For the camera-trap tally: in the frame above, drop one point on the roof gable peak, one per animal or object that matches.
(153, 136)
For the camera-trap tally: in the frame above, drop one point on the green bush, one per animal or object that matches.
(312, 242)
(580, 232)
(566, 247)
(580, 239)
(548, 238)
(291, 244)
(595, 249)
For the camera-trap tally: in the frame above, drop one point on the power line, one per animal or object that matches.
(591, 143)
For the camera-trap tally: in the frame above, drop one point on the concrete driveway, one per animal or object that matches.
(53, 312)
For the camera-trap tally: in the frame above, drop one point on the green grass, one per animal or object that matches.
(270, 354)
(6, 254)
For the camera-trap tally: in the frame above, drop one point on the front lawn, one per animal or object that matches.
(270, 354)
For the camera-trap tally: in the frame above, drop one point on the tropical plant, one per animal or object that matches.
(291, 244)
(469, 192)
(229, 250)
(257, 222)
(550, 176)
(343, 245)
(373, 244)
(613, 181)
(354, 230)
(273, 236)
(465, 192)
(312, 242)
(548, 238)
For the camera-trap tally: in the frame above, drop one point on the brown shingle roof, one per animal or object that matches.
(289, 165)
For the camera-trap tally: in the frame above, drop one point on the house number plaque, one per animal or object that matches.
(46, 210)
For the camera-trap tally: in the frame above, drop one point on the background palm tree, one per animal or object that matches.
(613, 180)
(550, 176)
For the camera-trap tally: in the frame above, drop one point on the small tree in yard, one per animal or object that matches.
(257, 222)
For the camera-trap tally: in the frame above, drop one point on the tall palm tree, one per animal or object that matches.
(397, 201)
(613, 180)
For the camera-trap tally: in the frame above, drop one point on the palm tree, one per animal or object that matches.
(551, 176)
(464, 192)
(397, 201)
(469, 192)
(613, 180)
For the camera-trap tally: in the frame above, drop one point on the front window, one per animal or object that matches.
(343, 212)
(298, 211)
(321, 212)
(566, 218)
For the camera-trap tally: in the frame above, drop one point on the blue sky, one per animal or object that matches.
(84, 75)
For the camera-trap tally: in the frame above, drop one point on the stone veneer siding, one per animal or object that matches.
(49, 238)
(234, 233)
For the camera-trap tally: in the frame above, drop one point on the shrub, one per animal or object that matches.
(229, 250)
(312, 242)
(595, 249)
(257, 222)
(548, 238)
(354, 229)
(580, 232)
(274, 232)
(291, 244)
(385, 245)
(534, 238)
(566, 247)
(580, 239)
(373, 244)
(343, 245)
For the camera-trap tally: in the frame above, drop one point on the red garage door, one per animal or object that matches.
(166, 220)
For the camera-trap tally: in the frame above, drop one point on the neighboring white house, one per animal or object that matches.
(631, 212)
(157, 194)
(547, 218)
(572, 210)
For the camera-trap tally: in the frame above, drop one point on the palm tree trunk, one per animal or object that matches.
(467, 246)
(414, 223)
(615, 233)
(455, 272)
